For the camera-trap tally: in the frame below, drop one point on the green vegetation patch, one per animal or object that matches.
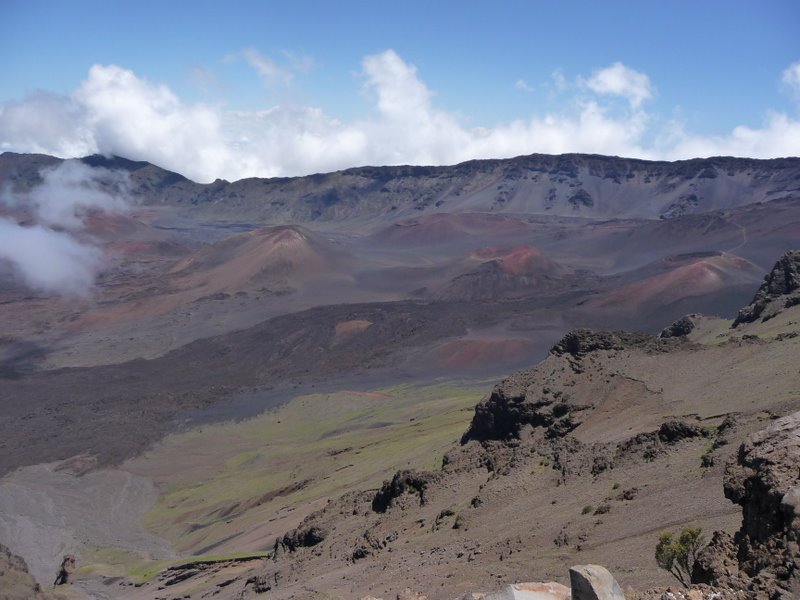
(118, 562)
(314, 447)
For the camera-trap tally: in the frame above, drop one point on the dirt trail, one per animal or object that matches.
(45, 514)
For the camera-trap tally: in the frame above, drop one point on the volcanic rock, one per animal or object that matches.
(682, 327)
(301, 538)
(764, 479)
(523, 398)
(502, 414)
(783, 280)
(403, 481)
(717, 560)
(581, 342)
(676, 431)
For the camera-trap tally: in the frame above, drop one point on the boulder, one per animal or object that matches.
(532, 591)
(593, 582)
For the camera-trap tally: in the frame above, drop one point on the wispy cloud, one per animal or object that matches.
(114, 111)
(267, 68)
(274, 72)
(51, 255)
(524, 86)
(300, 63)
(559, 80)
(791, 79)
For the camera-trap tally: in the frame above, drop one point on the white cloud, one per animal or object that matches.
(619, 80)
(131, 117)
(778, 136)
(791, 79)
(49, 256)
(47, 260)
(116, 112)
(524, 86)
(46, 123)
(394, 82)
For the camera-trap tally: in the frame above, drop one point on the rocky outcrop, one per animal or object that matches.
(673, 431)
(525, 399)
(413, 482)
(716, 561)
(15, 581)
(680, 328)
(580, 342)
(509, 408)
(302, 537)
(593, 582)
(781, 289)
(580, 199)
(764, 555)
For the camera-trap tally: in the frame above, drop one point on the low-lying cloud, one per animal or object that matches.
(49, 261)
(114, 111)
(47, 245)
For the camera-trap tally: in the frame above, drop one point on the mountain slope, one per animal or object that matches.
(567, 185)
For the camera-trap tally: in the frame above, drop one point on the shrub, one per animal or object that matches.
(587, 509)
(677, 554)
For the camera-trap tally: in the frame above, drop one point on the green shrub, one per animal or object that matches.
(677, 554)
(587, 509)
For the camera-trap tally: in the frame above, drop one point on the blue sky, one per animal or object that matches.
(294, 82)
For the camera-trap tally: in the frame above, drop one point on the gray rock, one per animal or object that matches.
(764, 479)
(778, 291)
(593, 582)
(682, 327)
(532, 591)
(790, 504)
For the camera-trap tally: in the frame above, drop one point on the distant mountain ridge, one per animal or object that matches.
(567, 185)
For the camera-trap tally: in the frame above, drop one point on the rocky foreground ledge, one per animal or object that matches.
(763, 557)
(761, 561)
(587, 582)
